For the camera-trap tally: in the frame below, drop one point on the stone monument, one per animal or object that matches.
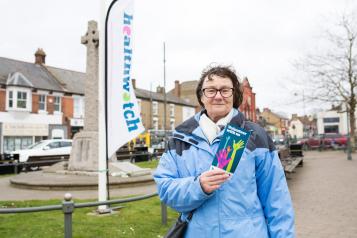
(84, 154)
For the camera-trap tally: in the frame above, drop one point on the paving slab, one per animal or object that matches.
(324, 194)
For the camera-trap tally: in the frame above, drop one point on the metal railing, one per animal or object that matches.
(18, 166)
(68, 207)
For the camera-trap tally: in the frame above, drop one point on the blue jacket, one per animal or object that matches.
(254, 203)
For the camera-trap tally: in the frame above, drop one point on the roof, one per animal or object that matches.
(37, 75)
(246, 83)
(146, 94)
(31, 75)
(20, 73)
(73, 81)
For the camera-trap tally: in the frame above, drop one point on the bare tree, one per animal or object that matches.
(332, 74)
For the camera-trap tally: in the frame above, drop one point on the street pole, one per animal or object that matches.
(349, 157)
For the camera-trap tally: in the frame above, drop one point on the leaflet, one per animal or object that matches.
(230, 149)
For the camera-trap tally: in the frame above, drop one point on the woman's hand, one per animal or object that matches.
(212, 179)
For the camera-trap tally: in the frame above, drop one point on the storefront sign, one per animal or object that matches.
(18, 129)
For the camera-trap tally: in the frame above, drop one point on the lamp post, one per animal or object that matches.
(349, 157)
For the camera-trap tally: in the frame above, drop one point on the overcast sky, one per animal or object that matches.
(259, 38)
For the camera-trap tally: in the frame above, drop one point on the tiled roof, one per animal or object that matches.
(38, 75)
(73, 81)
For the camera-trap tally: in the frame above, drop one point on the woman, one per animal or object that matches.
(254, 202)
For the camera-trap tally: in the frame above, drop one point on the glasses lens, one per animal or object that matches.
(210, 92)
(226, 92)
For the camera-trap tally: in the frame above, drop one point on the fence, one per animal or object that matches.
(68, 207)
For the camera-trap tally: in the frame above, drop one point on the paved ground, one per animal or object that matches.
(324, 194)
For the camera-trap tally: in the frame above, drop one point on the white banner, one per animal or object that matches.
(123, 114)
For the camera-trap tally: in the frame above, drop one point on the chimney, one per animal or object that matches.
(159, 89)
(133, 81)
(177, 89)
(40, 56)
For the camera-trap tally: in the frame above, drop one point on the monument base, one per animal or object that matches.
(84, 154)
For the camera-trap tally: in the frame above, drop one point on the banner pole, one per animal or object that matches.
(102, 153)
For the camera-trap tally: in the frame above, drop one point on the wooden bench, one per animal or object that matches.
(291, 157)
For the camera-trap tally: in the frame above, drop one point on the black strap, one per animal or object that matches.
(189, 217)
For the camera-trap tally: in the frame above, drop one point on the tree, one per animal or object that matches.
(332, 73)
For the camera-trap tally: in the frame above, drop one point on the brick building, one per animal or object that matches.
(274, 123)
(38, 102)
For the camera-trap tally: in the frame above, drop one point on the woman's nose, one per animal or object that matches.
(218, 96)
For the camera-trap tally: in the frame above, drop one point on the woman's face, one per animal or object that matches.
(218, 106)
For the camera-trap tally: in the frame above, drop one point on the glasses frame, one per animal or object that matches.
(217, 90)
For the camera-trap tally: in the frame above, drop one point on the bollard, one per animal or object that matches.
(163, 213)
(67, 208)
(15, 168)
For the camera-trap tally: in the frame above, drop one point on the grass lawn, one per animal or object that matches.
(6, 175)
(148, 164)
(136, 219)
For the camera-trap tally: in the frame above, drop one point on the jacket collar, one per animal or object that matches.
(190, 128)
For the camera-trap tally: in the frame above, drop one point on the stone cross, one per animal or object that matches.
(91, 40)
(84, 154)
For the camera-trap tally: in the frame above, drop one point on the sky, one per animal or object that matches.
(260, 39)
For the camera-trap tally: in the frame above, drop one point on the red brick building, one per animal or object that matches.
(248, 104)
(38, 101)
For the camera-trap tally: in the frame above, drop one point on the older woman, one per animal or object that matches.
(254, 202)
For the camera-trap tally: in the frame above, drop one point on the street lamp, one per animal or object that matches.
(349, 157)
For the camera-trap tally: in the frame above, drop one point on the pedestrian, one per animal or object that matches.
(254, 201)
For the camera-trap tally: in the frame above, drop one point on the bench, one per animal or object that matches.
(291, 157)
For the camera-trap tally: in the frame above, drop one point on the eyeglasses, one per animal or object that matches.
(212, 92)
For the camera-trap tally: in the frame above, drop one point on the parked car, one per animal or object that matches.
(279, 140)
(328, 140)
(45, 150)
(334, 140)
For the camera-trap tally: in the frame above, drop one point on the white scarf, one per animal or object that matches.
(211, 129)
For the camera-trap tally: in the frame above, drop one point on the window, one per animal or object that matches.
(155, 123)
(42, 102)
(331, 119)
(78, 111)
(331, 129)
(172, 110)
(155, 108)
(66, 143)
(172, 124)
(18, 99)
(57, 103)
(21, 99)
(12, 143)
(54, 145)
(11, 99)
